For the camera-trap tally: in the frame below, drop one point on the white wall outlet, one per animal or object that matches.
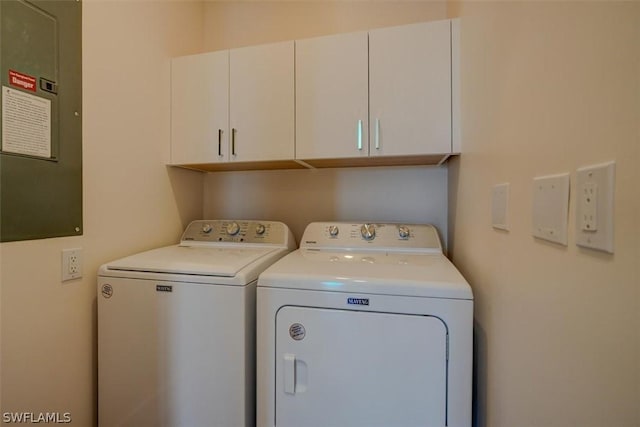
(71, 264)
(588, 199)
(594, 207)
(550, 213)
(499, 204)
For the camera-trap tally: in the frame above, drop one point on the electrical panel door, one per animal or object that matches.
(41, 147)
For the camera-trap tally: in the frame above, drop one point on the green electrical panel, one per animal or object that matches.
(41, 119)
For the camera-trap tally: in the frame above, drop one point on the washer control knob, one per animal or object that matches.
(233, 228)
(206, 228)
(368, 231)
(403, 232)
(333, 230)
(260, 229)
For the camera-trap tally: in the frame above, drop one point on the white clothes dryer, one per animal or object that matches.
(366, 325)
(176, 327)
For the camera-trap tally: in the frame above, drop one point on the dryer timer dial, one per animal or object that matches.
(368, 231)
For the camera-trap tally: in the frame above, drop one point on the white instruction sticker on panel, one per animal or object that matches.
(26, 123)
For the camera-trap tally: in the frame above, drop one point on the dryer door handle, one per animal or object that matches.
(289, 370)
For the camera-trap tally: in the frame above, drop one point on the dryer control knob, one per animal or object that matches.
(260, 229)
(333, 230)
(206, 228)
(368, 231)
(233, 228)
(403, 232)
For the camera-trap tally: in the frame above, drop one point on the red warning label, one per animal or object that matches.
(22, 81)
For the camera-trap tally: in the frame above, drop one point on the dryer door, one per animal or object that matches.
(342, 368)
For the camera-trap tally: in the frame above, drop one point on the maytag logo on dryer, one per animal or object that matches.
(164, 288)
(358, 301)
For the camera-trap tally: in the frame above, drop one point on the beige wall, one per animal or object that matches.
(548, 88)
(298, 197)
(231, 24)
(412, 194)
(131, 202)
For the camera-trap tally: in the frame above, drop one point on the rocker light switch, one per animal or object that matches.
(499, 204)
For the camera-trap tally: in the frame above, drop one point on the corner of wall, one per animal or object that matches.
(453, 8)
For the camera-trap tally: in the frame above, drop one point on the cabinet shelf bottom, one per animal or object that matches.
(418, 160)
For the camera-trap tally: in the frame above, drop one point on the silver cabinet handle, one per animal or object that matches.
(377, 134)
(233, 141)
(360, 135)
(219, 142)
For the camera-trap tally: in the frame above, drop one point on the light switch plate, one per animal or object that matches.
(550, 213)
(594, 206)
(499, 205)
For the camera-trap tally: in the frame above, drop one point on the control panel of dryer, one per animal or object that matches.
(230, 231)
(375, 236)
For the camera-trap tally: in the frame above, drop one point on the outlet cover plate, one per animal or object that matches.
(594, 206)
(71, 264)
(550, 213)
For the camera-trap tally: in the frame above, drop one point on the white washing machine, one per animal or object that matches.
(176, 327)
(366, 325)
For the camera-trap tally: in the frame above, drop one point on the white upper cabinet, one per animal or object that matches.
(401, 75)
(410, 89)
(332, 97)
(261, 103)
(384, 97)
(233, 106)
(200, 108)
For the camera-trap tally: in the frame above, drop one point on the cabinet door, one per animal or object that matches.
(410, 89)
(200, 108)
(261, 102)
(332, 97)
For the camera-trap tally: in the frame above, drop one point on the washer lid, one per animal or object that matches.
(193, 260)
(384, 273)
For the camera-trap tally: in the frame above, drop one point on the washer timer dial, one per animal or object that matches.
(233, 228)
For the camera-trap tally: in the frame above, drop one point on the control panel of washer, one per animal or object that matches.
(379, 236)
(232, 231)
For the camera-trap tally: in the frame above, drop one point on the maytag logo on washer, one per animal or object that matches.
(164, 288)
(107, 290)
(358, 301)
